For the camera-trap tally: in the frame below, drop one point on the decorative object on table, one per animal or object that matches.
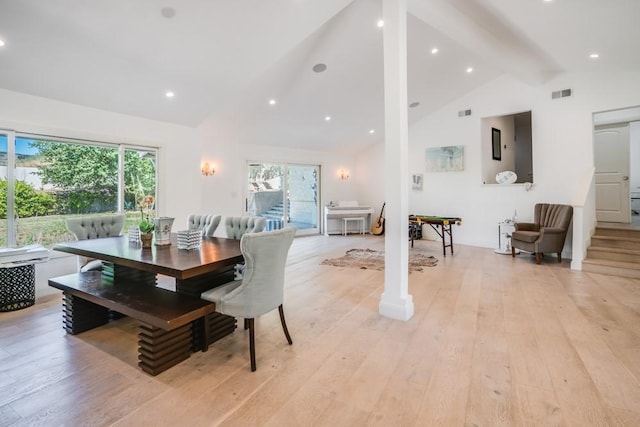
(506, 177)
(445, 159)
(189, 239)
(416, 181)
(146, 225)
(146, 239)
(134, 234)
(162, 230)
(368, 259)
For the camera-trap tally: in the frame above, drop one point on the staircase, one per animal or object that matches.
(276, 212)
(614, 251)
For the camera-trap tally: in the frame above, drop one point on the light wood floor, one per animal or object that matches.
(494, 341)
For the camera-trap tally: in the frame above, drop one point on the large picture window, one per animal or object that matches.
(45, 180)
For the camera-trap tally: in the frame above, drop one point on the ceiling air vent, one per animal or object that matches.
(463, 113)
(561, 93)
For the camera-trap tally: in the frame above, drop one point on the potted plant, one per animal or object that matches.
(146, 225)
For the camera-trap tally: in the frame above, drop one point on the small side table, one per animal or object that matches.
(17, 287)
(505, 228)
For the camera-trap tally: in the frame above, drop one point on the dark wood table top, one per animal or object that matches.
(214, 254)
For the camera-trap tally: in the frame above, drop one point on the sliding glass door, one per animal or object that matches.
(285, 194)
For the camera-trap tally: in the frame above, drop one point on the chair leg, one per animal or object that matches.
(559, 257)
(538, 257)
(284, 325)
(252, 344)
(513, 252)
(246, 324)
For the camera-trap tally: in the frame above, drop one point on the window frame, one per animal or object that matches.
(121, 147)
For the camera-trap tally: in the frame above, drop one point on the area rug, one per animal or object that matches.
(368, 259)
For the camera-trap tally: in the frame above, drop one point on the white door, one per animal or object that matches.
(611, 153)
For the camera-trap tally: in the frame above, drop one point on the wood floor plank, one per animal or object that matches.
(494, 340)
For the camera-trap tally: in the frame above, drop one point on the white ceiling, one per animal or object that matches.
(225, 59)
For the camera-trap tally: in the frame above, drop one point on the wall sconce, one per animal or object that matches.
(344, 175)
(207, 169)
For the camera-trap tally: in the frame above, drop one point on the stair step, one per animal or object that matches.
(617, 232)
(614, 254)
(615, 242)
(614, 268)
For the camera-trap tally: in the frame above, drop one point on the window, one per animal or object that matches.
(43, 181)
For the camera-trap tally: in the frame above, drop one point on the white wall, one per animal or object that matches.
(562, 132)
(179, 156)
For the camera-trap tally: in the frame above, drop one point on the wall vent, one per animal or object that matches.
(463, 113)
(561, 93)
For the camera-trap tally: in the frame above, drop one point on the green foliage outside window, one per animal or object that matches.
(29, 201)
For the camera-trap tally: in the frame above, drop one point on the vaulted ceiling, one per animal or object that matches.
(224, 60)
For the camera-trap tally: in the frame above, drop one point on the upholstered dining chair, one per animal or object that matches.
(262, 286)
(206, 223)
(94, 227)
(237, 226)
(546, 233)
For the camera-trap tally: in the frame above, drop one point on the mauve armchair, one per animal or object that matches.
(546, 233)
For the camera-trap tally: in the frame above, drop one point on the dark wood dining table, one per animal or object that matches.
(128, 282)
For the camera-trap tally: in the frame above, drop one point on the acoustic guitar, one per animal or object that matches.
(378, 227)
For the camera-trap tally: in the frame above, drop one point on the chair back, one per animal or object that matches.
(238, 226)
(96, 227)
(206, 223)
(262, 288)
(553, 215)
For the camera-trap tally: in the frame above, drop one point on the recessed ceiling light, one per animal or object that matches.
(327, 118)
(168, 12)
(169, 94)
(547, 1)
(380, 23)
(1, 43)
(272, 102)
(434, 50)
(594, 56)
(414, 104)
(470, 70)
(372, 131)
(319, 68)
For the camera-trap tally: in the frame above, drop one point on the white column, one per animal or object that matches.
(395, 302)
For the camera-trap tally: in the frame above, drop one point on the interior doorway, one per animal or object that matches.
(617, 161)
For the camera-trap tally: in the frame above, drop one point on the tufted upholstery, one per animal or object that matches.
(207, 223)
(94, 227)
(238, 226)
(546, 234)
(262, 286)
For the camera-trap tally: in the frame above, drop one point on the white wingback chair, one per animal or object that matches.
(262, 286)
(94, 227)
(237, 226)
(207, 223)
